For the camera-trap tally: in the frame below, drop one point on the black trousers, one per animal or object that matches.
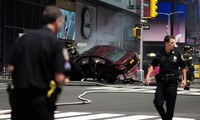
(28, 106)
(166, 92)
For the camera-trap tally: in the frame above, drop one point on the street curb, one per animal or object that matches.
(79, 83)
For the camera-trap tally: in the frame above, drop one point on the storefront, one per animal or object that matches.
(18, 16)
(95, 22)
(108, 24)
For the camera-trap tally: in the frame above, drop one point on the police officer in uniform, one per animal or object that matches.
(188, 59)
(169, 61)
(36, 60)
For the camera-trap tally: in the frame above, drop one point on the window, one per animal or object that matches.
(115, 54)
(9, 12)
(28, 15)
(19, 16)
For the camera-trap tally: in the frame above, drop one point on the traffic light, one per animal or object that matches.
(153, 8)
(136, 32)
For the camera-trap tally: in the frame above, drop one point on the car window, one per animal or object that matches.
(115, 54)
(84, 61)
(90, 51)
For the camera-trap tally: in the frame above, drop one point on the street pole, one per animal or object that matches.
(141, 42)
(169, 18)
(3, 38)
(169, 23)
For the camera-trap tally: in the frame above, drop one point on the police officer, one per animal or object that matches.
(187, 57)
(36, 59)
(169, 61)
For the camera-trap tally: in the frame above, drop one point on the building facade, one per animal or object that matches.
(110, 23)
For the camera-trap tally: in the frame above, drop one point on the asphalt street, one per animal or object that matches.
(113, 103)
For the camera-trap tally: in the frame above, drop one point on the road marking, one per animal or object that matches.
(178, 118)
(134, 117)
(69, 114)
(3, 86)
(4, 111)
(93, 116)
(7, 116)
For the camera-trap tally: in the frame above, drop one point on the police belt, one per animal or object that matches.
(166, 78)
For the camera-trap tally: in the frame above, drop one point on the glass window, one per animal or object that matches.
(92, 49)
(36, 16)
(36, 1)
(28, 15)
(9, 13)
(19, 16)
(1, 14)
(115, 54)
(9, 38)
(0, 47)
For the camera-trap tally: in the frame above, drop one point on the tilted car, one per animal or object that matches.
(105, 62)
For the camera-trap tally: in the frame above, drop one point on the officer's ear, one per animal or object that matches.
(165, 42)
(59, 21)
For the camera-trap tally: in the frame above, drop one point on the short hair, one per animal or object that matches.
(167, 38)
(50, 14)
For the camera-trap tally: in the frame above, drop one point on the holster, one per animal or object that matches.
(52, 95)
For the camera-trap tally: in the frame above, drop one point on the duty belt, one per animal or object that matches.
(167, 75)
(166, 78)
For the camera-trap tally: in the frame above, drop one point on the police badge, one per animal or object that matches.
(174, 59)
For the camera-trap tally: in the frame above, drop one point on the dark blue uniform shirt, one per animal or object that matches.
(36, 57)
(168, 63)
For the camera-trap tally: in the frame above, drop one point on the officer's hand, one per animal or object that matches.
(147, 80)
(61, 79)
(67, 81)
(183, 83)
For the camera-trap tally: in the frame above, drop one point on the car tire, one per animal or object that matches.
(110, 78)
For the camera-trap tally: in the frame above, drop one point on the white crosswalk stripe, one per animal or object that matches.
(69, 114)
(94, 116)
(135, 117)
(146, 89)
(176, 118)
(3, 86)
(2, 117)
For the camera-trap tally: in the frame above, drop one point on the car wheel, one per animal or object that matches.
(110, 78)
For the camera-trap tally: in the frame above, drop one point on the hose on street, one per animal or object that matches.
(88, 101)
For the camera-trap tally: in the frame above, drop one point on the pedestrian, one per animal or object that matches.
(37, 65)
(169, 61)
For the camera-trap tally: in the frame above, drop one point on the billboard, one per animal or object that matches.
(68, 28)
(159, 25)
(179, 22)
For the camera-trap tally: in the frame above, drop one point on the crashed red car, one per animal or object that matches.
(105, 62)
